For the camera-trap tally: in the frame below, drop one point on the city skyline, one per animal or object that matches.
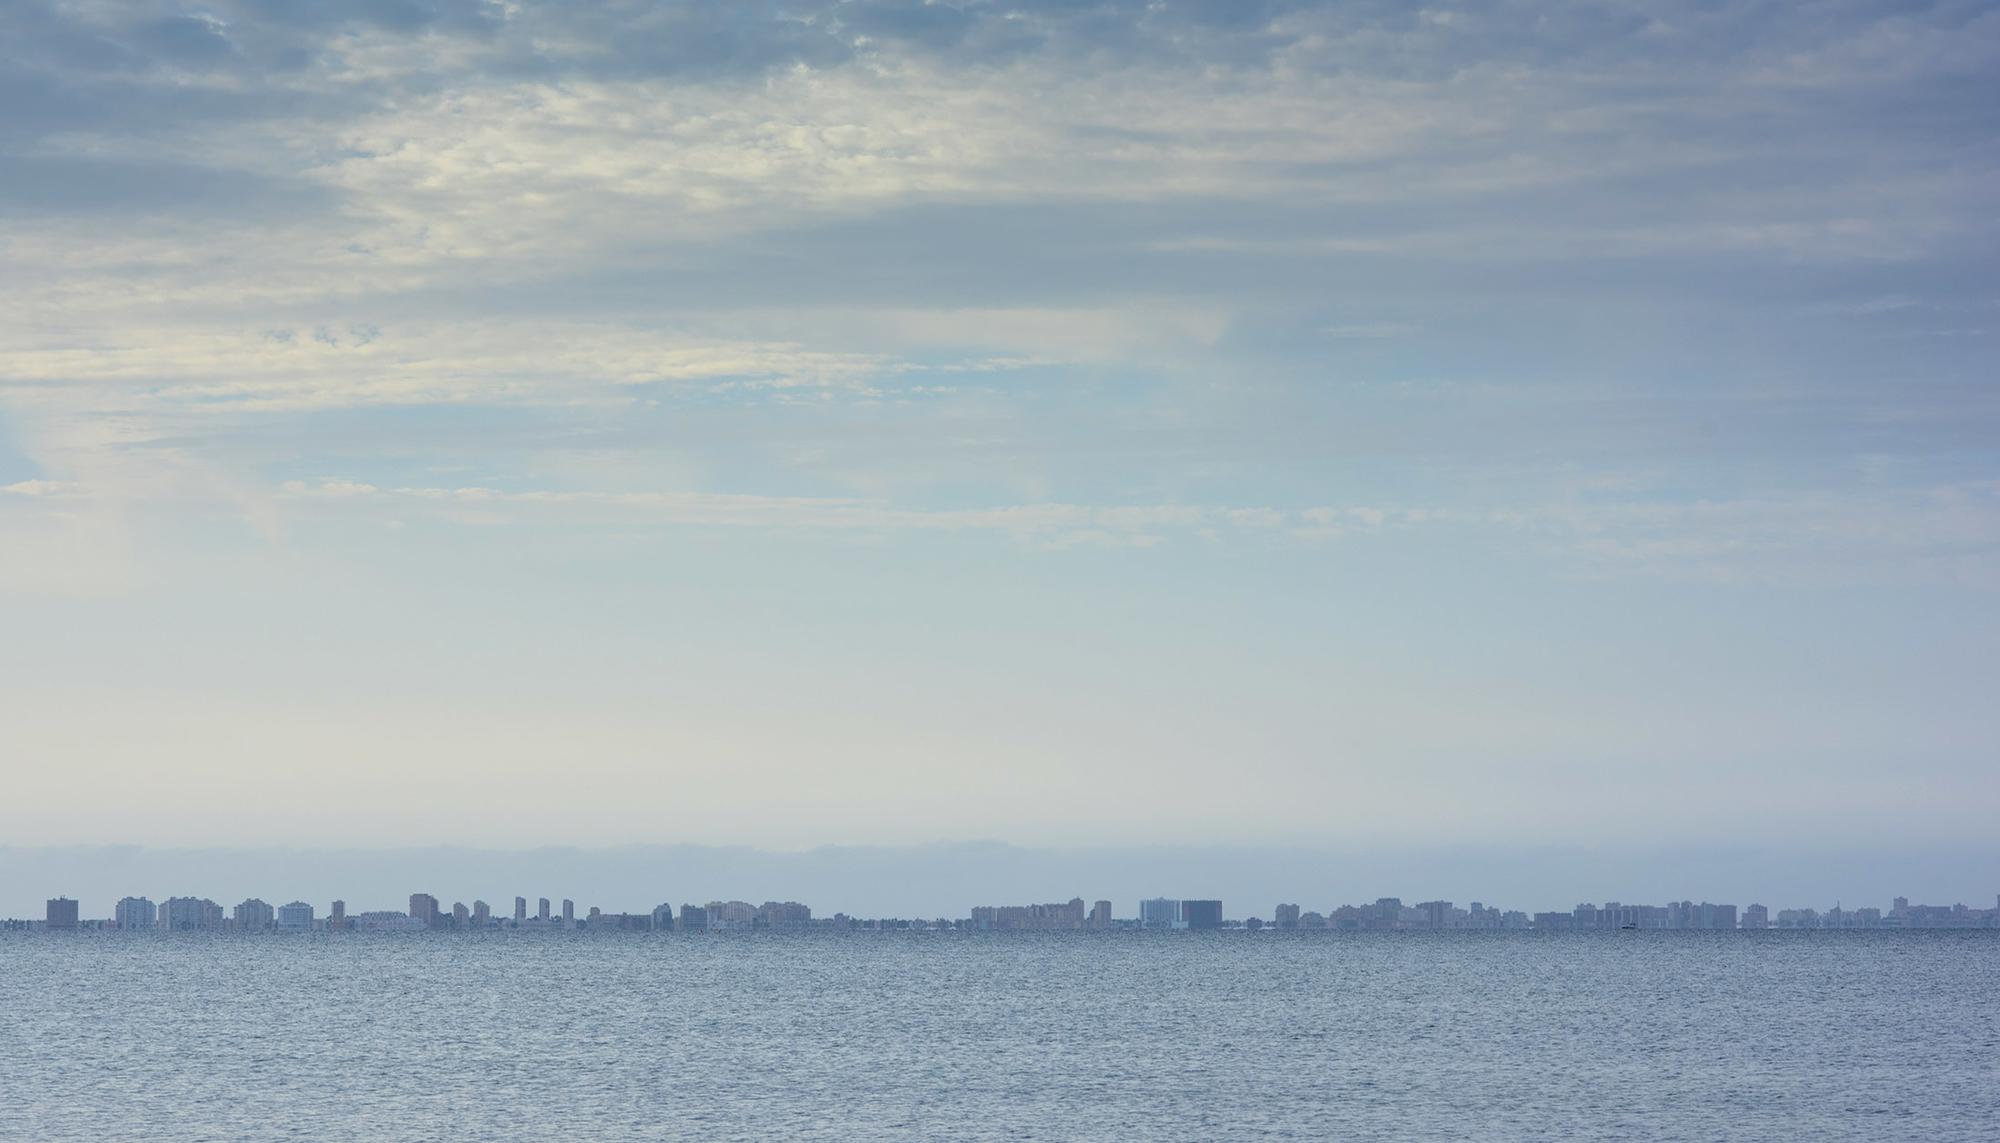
(1384, 914)
(938, 879)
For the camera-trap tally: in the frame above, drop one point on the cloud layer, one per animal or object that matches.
(1501, 325)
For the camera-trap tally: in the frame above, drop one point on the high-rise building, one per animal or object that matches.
(1756, 917)
(1198, 915)
(61, 914)
(253, 914)
(460, 915)
(694, 918)
(482, 914)
(663, 917)
(336, 917)
(190, 914)
(542, 911)
(297, 916)
(569, 912)
(135, 913)
(424, 910)
(1435, 913)
(1158, 912)
(520, 909)
(1050, 916)
(1100, 915)
(730, 914)
(1285, 916)
(783, 915)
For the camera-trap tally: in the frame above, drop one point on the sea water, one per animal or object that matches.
(1119, 1035)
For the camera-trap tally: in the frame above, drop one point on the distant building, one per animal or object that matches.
(1285, 916)
(61, 914)
(1158, 913)
(1100, 915)
(694, 919)
(190, 914)
(520, 910)
(297, 916)
(482, 914)
(135, 913)
(1199, 915)
(542, 911)
(1757, 917)
(731, 914)
(663, 916)
(1311, 920)
(1435, 913)
(1068, 915)
(461, 917)
(386, 919)
(424, 910)
(253, 915)
(569, 911)
(783, 915)
(336, 917)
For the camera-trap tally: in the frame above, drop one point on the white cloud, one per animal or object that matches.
(38, 487)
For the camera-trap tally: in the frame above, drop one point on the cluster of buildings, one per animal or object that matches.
(426, 912)
(1154, 913)
(199, 914)
(1391, 913)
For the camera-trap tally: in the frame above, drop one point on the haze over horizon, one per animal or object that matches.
(946, 879)
(1082, 425)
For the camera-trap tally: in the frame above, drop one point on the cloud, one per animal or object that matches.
(1118, 251)
(1942, 535)
(38, 487)
(190, 371)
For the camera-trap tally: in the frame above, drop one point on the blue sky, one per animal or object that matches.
(826, 422)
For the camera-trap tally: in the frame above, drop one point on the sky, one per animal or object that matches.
(1098, 423)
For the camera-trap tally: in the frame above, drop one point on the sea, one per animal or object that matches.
(946, 1035)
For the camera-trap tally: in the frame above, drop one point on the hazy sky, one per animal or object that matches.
(1068, 423)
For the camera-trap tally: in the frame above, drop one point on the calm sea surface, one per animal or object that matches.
(1111, 1036)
